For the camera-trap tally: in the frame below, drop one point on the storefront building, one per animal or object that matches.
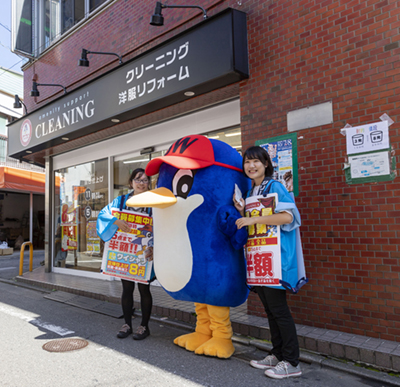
(287, 75)
(21, 184)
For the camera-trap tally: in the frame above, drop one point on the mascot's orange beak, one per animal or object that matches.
(159, 198)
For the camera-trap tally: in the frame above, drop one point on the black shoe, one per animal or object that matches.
(125, 331)
(141, 333)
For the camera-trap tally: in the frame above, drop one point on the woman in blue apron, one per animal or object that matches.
(107, 226)
(284, 359)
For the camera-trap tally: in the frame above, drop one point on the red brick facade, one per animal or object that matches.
(301, 53)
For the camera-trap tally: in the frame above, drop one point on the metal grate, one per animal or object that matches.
(65, 345)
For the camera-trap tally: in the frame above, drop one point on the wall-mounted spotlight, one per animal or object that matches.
(83, 61)
(35, 91)
(18, 104)
(158, 19)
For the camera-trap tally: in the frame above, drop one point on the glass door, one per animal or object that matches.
(125, 165)
(81, 191)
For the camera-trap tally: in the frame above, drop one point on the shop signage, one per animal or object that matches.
(208, 56)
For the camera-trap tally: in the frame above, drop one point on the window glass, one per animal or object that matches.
(22, 26)
(81, 192)
(95, 3)
(233, 137)
(3, 150)
(3, 126)
(72, 12)
(51, 25)
(124, 168)
(56, 17)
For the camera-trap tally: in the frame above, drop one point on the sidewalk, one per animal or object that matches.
(380, 354)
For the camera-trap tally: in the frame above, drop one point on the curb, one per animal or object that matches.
(309, 344)
(348, 367)
(306, 357)
(25, 285)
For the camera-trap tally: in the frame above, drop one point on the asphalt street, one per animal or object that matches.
(28, 321)
(9, 264)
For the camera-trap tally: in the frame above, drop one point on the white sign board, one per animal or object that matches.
(372, 164)
(263, 248)
(367, 138)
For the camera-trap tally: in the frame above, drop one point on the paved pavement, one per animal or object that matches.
(329, 348)
(33, 327)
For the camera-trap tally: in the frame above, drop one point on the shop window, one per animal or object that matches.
(36, 24)
(81, 192)
(233, 137)
(124, 168)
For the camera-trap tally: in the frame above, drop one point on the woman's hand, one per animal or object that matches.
(122, 225)
(243, 222)
(270, 220)
(239, 205)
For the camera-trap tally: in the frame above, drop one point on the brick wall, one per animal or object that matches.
(123, 28)
(301, 53)
(307, 52)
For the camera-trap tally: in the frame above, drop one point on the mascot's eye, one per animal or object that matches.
(182, 183)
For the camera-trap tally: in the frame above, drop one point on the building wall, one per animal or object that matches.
(301, 53)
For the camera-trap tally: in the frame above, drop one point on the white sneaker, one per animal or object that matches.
(269, 362)
(284, 370)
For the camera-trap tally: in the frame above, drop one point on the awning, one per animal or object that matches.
(22, 180)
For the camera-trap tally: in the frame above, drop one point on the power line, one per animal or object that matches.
(5, 27)
(1, 24)
(5, 70)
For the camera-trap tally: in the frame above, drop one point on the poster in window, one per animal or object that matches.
(69, 227)
(92, 240)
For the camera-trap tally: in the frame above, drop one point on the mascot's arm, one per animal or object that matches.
(226, 218)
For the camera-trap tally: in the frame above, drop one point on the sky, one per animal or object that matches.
(8, 59)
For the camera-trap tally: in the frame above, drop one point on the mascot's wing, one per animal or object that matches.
(226, 218)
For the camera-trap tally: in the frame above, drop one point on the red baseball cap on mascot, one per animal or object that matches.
(190, 152)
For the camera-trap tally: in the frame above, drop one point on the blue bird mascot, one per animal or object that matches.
(198, 250)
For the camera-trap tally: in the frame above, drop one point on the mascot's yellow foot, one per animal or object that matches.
(191, 341)
(222, 348)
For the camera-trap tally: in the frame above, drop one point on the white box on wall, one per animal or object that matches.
(309, 117)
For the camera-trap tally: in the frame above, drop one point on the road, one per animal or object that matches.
(28, 321)
(9, 264)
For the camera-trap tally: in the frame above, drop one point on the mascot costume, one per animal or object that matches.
(198, 250)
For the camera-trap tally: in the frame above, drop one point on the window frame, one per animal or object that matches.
(39, 45)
